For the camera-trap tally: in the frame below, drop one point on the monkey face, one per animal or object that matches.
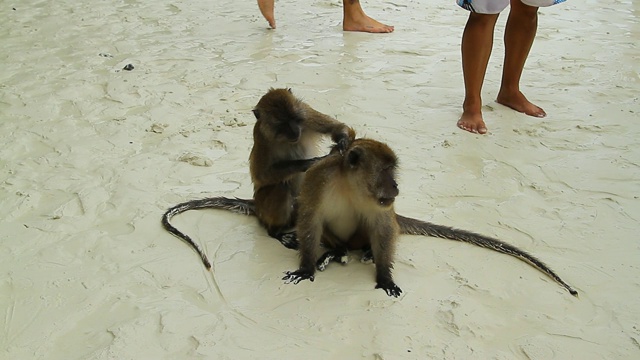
(279, 116)
(375, 164)
(387, 187)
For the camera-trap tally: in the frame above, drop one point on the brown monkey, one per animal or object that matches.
(347, 202)
(345, 199)
(285, 143)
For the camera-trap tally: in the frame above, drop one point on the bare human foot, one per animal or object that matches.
(363, 23)
(472, 121)
(266, 8)
(518, 102)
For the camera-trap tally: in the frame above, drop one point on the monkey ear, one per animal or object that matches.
(256, 113)
(353, 157)
(289, 90)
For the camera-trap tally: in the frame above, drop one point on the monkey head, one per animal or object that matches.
(280, 116)
(373, 168)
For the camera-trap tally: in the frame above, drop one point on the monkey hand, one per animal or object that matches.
(294, 277)
(343, 140)
(342, 144)
(390, 288)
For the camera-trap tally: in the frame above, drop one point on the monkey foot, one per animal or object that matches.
(294, 277)
(518, 102)
(324, 261)
(367, 256)
(289, 240)
(390, 288)
(339, 256)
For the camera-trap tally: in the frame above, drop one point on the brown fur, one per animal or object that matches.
(286, 137)
(346, 202)
(346, 199)
(285, 142)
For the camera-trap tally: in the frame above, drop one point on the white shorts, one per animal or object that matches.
(496, 6)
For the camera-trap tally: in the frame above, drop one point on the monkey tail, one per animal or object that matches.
(240, 206)
(417, 227)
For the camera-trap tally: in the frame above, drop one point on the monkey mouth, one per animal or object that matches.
(386, 201)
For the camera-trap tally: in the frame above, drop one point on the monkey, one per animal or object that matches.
(286, 138)
(346, 202)
(345, 199)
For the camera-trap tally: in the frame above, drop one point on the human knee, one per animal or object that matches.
(523, 11)
(482, 20)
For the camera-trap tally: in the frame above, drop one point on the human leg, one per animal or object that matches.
(477, 42)
(519, 35)
(354, 19)
(266, 8)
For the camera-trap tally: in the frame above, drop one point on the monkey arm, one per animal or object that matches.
(279, 171)
(283, 171)
(341, 134)
(383, 241)
(296, 166)
(310, 230)
(308, 262)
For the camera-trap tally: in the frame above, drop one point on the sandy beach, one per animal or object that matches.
(93, 155)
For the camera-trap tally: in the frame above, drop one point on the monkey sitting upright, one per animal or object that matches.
(286, 137)
(346, 199)
(347, 202)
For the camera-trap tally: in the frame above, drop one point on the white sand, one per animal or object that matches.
(90, 160)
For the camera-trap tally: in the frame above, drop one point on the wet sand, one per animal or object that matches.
(94, 154)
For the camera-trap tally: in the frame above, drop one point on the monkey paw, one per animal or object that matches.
(342, 145)
(324, 260)
(289, 240)
(390, 288)
(294, 277)
(367, 257)
(339, 255)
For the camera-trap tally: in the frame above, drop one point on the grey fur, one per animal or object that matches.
(239, 206)
(417, 227)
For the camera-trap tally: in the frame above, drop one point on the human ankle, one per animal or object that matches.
(472, 106)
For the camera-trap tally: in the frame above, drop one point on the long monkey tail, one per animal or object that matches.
(239, 206)
(418, 227)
